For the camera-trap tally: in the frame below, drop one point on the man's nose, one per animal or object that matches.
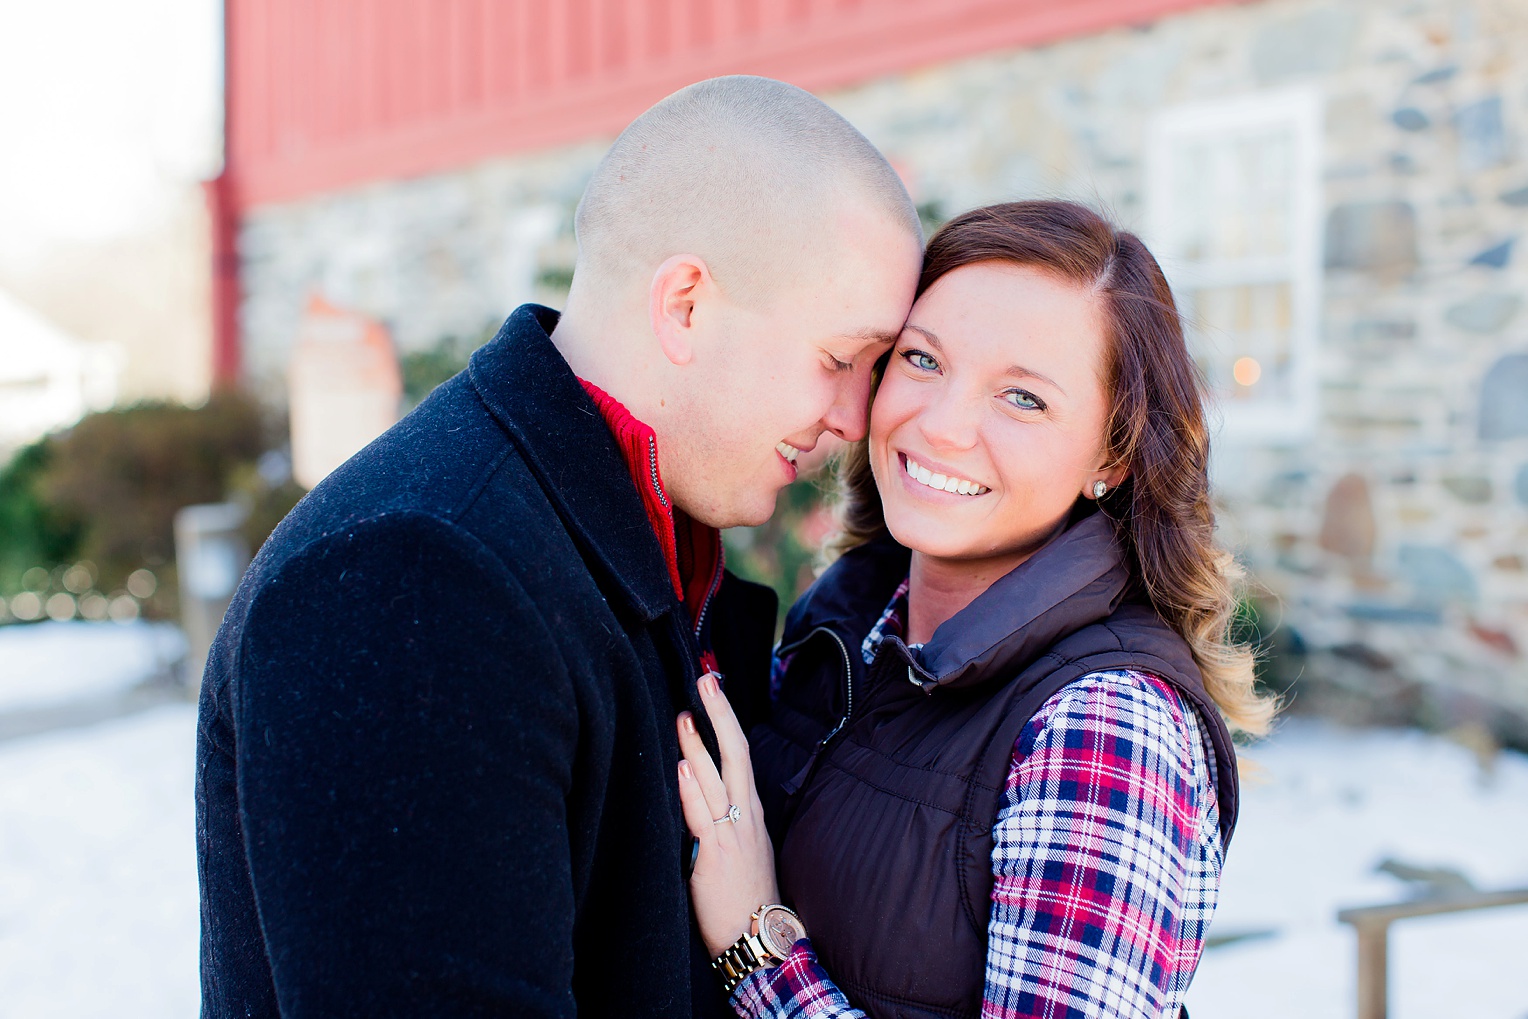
(849, 416)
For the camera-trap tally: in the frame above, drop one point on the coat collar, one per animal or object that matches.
(529, 388)
(1077, 579)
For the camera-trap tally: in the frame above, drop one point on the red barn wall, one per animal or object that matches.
(324, 94)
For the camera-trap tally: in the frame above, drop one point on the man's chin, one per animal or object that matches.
(751, 512)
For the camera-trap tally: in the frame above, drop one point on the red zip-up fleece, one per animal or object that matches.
(692, 550)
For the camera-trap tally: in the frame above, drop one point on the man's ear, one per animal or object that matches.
(676, 287)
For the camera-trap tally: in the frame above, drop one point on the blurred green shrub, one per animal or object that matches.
(124, 473)
(425, 369)
(106, 490)
(268, 495)
(31, 530)
(785, 552)
(932, 216)
(556, 277)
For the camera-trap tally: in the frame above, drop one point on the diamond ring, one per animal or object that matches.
(733, 814)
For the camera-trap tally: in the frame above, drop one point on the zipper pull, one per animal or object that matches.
(793, 785)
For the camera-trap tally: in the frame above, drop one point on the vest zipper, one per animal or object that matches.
(794, 783)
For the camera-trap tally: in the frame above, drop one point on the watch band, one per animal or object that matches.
(735, 964)
(759, 947)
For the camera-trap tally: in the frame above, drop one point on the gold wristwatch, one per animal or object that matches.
(772, 932)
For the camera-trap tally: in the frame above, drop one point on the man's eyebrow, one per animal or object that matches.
(874, 335)
(1015, 370)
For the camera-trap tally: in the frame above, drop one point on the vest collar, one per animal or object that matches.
(1074, 581)
(529, 389)
(1077, 579)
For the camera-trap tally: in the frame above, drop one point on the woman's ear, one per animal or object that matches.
(676, 287)
(1113, 475)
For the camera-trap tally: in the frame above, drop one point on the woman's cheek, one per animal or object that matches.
(893, 405)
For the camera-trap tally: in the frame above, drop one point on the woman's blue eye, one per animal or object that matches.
(1025, 400)
(918, 359)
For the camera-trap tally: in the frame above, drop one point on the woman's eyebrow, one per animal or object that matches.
(1020, 372)
(933, 340)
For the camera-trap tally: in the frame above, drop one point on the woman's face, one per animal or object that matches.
(989, 421)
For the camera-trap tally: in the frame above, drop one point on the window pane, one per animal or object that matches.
(1242, 338)
(1232, 196)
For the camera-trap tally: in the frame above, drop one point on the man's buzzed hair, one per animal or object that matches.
(742, 171)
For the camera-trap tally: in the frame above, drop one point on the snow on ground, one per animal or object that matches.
(98, 900)
(48, 664)
(1329, 806)
(98, 897)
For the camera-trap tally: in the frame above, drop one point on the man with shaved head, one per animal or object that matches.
(744, 255)
(436, 752)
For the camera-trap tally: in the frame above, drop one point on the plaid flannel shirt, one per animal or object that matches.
(1106, 863)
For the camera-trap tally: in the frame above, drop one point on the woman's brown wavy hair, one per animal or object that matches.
(1162, 510)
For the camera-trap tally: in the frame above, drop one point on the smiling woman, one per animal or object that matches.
(1014, 692)
(1038, 296)
(988, 418)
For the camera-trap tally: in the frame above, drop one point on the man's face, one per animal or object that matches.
(769, 379)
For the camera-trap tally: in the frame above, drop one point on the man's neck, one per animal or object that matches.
(602, 350)
(575, 341)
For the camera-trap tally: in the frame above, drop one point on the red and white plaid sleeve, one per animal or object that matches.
(1106, 866)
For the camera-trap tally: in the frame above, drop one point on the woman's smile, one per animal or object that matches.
(936, 478)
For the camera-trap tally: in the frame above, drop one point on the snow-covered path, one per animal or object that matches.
(98, 901)
(51, 664)
(98, 898)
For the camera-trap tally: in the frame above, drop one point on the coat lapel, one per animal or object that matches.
(529, 388)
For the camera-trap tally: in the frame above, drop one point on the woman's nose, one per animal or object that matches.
(948, 420)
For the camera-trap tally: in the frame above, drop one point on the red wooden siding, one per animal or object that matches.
(323, 94)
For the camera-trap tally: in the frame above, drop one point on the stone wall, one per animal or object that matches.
(1392, 539)
(436, 258)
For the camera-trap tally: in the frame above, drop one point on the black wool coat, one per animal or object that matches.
(436, 757)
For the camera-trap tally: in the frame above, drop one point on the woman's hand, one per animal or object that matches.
(735, 871)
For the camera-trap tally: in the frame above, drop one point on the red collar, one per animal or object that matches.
(692, 550)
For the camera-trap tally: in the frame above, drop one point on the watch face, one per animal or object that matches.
(779, 929)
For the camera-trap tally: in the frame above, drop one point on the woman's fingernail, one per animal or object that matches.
(688, 721)
(708, 685)
(684, 769)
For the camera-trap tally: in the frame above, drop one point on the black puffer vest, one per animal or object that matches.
(882, 783)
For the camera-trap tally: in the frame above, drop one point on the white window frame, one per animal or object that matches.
(1265, 421)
